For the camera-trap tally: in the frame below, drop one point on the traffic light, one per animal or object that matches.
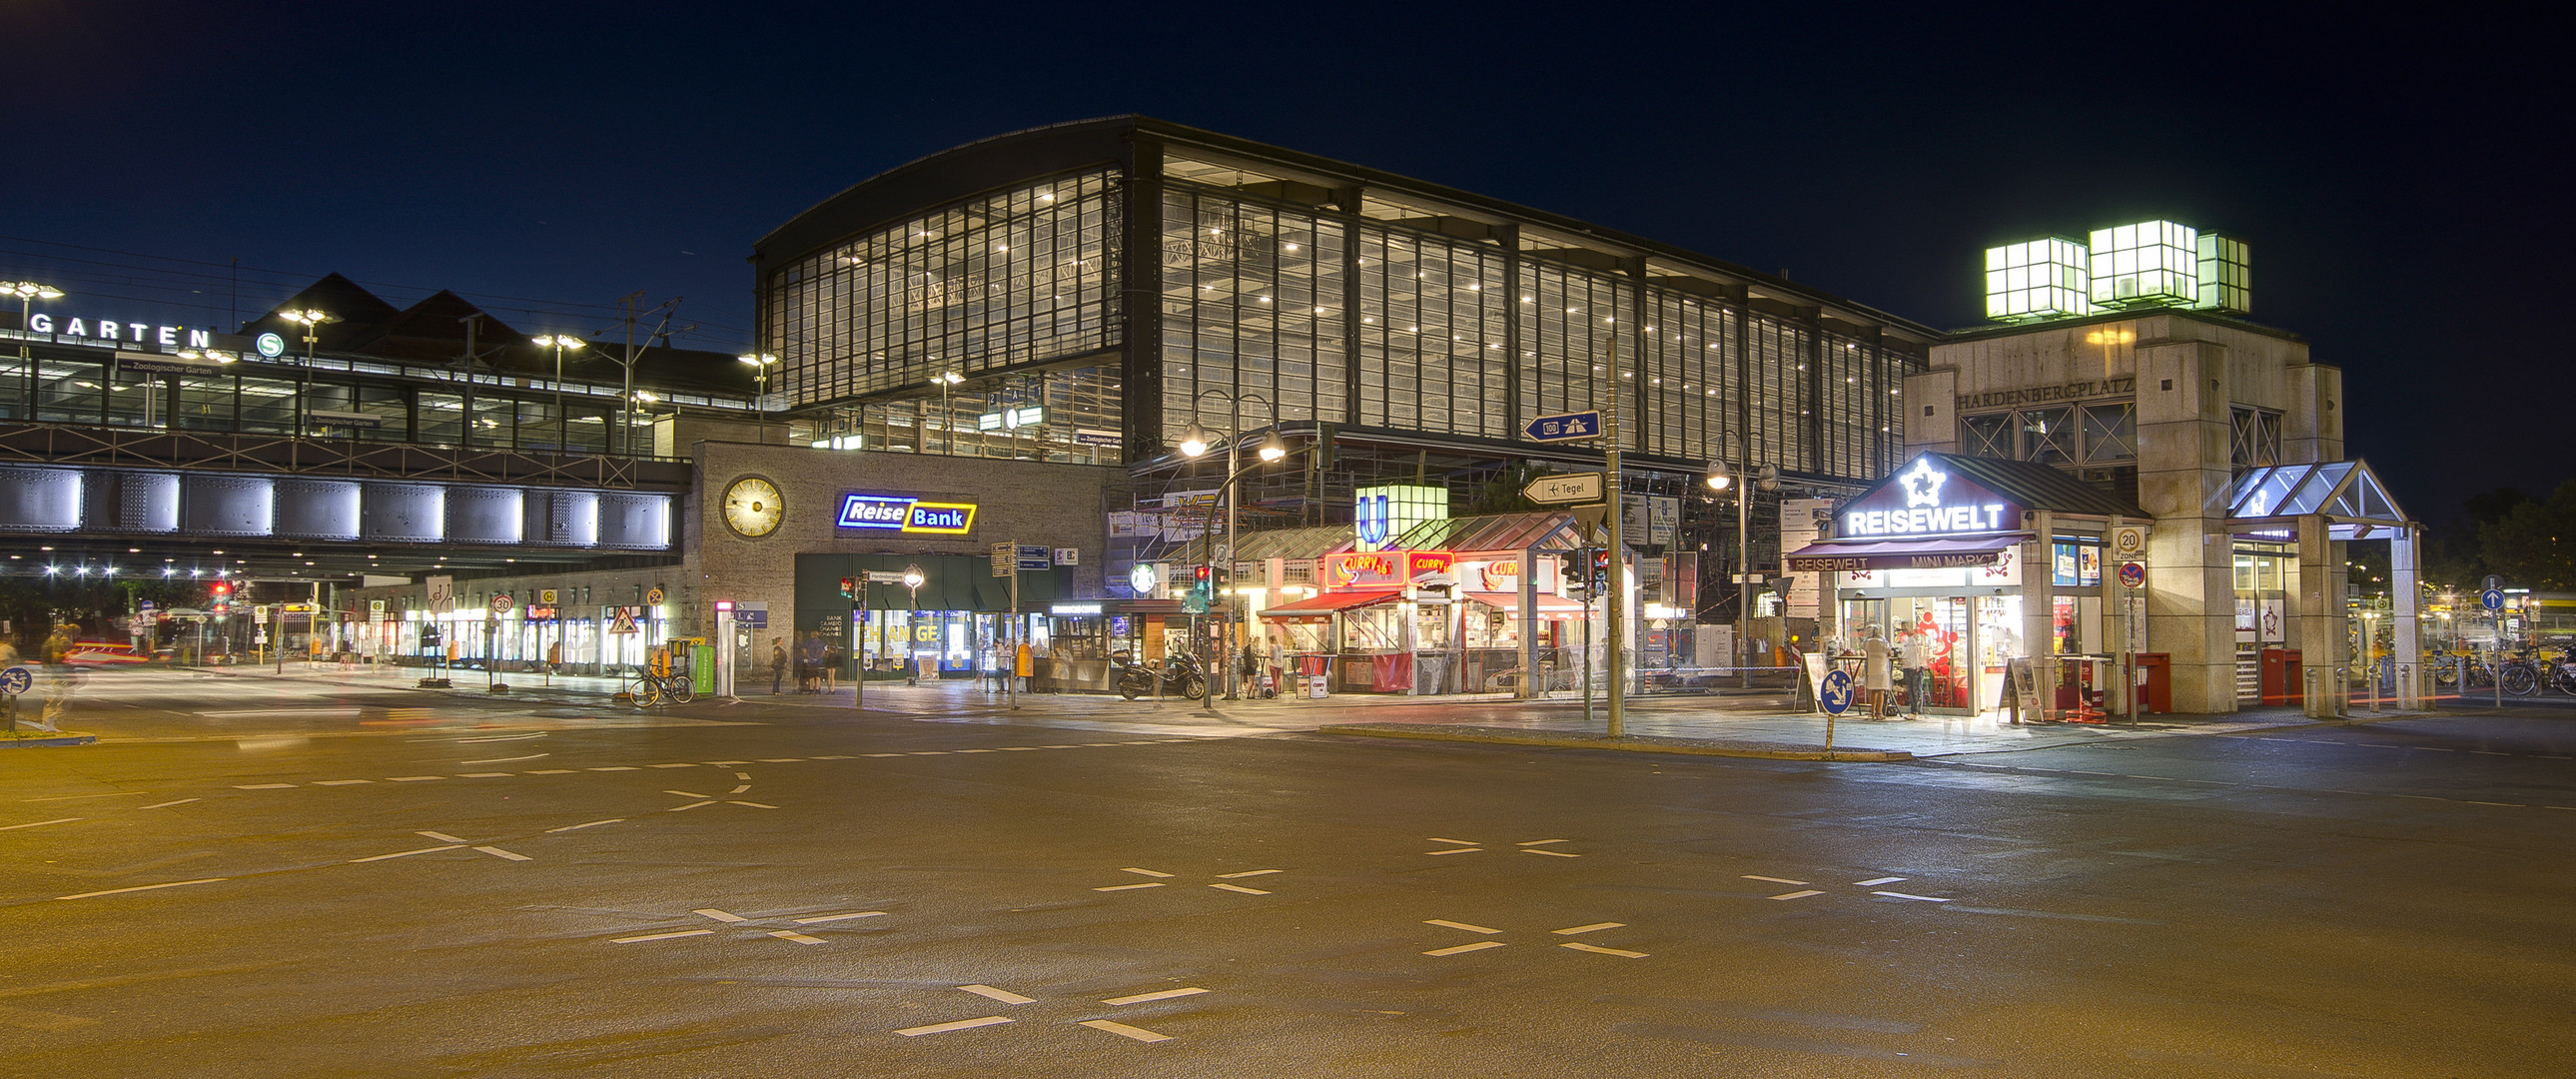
(1578, 584)
(1202, 590)
(849, 588)
(222, 595)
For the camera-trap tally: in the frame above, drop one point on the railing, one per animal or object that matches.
(114, 447)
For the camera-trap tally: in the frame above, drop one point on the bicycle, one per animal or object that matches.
(649, 691)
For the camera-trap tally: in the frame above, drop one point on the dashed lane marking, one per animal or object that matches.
(1143, 872)
(412, 779)
(800, 938)
(1451, 842)
(1461, 850)
(1168, 994)
(1003, 995)
(721, 916)
(1598, 950)
(979, 751)
(685, 794)
(1459, 925)
(664, 936)
(1239, 888)
(1549, 853)
(341, 782)
(1125, 1031)
(280, 786)
(962, 1024)
(670, 766)
(616, 768)
(1476, 947)
(1539, 842)
(405, 854)
(1874, 882)
(690, 806)
(1248, 873)
(481, 775)
(166, 805)
(552, 772)
(1774, 880)
(39, 824)
(1594, 927)
(87, 797)
(440, 836)
(506, 760)
(143, 888)
(503, 854)
(578, 827)
(1916, 898)
(729, 764)
(840, 917)
(755, 805)
(1129, 887)
(1797, 895)
(780, 760)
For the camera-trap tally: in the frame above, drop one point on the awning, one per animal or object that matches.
(1331, 602)
(1548, 602)
(1841, 557)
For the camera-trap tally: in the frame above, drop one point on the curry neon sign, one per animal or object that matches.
(900, 513)
(1925, 511)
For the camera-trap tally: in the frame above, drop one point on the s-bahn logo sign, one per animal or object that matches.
(902, 513)
(1928, 500)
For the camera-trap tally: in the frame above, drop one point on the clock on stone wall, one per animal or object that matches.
(752, 507)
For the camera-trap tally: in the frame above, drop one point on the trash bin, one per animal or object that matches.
(1318, 686)
(2155, 677)
(2283, 680)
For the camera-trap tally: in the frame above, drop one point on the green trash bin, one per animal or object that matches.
(702, 668)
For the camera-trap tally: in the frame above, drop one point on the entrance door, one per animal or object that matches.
(1950, 650)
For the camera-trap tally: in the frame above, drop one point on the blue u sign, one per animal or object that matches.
(1836, 692)
(1372, 519)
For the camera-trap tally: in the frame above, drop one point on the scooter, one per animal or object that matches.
(1179, 674)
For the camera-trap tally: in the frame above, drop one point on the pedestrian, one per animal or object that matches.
(1914, 655)
(777, 663)
(1873, 671)
(832, 657)
(809, 663)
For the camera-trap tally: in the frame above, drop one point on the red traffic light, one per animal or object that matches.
(1205, 573)
(222, 589)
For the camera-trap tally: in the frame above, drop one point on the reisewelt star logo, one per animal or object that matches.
(1922, 485)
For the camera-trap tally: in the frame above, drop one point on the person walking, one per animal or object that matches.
(832, 657)
(1873, 670)
(777, 663)
(1913, 655)
(809, 663)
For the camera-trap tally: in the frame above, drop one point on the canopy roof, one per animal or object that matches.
(1837, 556)
(2345, 490)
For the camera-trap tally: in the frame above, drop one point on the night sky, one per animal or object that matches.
(2400, 183)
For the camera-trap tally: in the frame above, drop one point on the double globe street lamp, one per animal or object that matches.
(1720, 479)
(559, 342)
(312, 321)
(28, 292)
(1195, 442)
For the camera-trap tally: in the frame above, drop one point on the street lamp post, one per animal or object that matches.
(559, 342)
(28, 292)
(947, 423)
(312, 321)
(1720, 479)
(1194, 443)
(761, 362)
(912, 580)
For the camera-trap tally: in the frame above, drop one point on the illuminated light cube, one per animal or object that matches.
(2226, 274)
(2149, 264)
(2042, 278)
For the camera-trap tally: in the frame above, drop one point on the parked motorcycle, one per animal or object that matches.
(1179, 675)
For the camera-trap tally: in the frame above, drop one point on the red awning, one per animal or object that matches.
(1838, 556)
(1330, 602)
(1548, 603)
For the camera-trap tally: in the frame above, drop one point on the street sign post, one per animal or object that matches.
(884, 576)
(442, 595)
(1835, 694)
(2133, 575)
(2492, 599)
(1564, 427)
(1564, 488)
(1005, 556)
(501, 603)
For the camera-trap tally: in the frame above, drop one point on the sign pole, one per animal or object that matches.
(1011, 658)
(1613, 608)
(859, 648)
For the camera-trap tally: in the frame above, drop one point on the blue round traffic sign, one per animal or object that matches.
(2492, 599)
(1836, 693)
(15, 681)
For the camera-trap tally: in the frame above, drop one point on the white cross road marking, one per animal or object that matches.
(143, 888)
(1797, 895)
(1168, 994)
(1125, 1031)
(166, 805)
(1539, 842)
(1917, 898)
(480, 775)
(412, 779)
(39, 824)
(578, 827)
(800, 938)
(506, 760)
(840, 917)
(1248, 873)
(499, 853)
(1143, 872)
(1454, 842)
(1460, 925)
(979, 751)
(283, 786)
(1549, 853)
(685, 794)
(1003, 995)
(740, 789)
(721, 916)
(1129, 887)
(1476, 947)
(1875, 882)
(440, 836)
(341, 782)
(692, 805)
(1774, 880)
(617, 768)
(756, 805)
(942, 1028)
(670, 766)
(1461, 850)
(842, 758)
(1239, 888)
(664, 936)
(881, 754)
(743, 775)
(1580, 947)
(405, 854)
(780, 760)
(552, 772)
(1587, 928)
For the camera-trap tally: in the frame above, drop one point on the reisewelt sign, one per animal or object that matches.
(1926, 500)
(904, 513)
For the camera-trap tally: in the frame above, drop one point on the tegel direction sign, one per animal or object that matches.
(1564, 488)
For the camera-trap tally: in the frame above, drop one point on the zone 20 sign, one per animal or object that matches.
(901, 513)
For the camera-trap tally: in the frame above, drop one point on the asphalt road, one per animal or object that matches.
(288, 880)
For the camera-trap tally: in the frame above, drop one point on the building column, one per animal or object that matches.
(2038, 606)
(1530, 685)
(2320, 614)
(2403, 595)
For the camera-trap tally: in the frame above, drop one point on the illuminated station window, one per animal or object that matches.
(2043, 278)
(2226, 274)
(2149, 263)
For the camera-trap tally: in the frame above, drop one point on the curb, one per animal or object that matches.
(39, 743)
(1510, 737)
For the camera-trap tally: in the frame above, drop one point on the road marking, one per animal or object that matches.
(412, 779)
(1461, 850)
(1129, 887)
(166, 805)
(416, 714)
(1774, 880)
(1143, 872)
(1540, 842)
(756, 805)
(1476, 947)
(39, 824)
(506, 760)
(1797, 895)
(692, 805)
(1097, 745)
(1248, 873)
(1239, 888)
(405, 854)
(738, 790)
(930, 753)
(1916, 898)
(664, 936)
(742, 775)
(617, 768)
(440, 836)
(86, 797)
(1598, 950)
(1005, 749)
(942, 1028)
(341, 782)
(480, 775)
(840, 917)
(2515, 805)
(1003, 995)
(1167, 994)
(1874, 882)
(711, 912)
(261, 786)
(979, 751)
(685, 794)
(1067, 745)
(578, 827)
(552, 772)
(2160, 779)
(780, 760)
(670, 766)
(840, 758)
(1550, 853)
(1459, 842)
(143, 888)
(881, 754)
(1125, 1031)
(499, 853)
(800, 938)
(1460, 925)
(1586, 928)
(2432, 749)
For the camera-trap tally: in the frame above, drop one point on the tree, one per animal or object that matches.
(2533, 545)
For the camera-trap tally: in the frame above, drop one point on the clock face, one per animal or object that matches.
(752, 507)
